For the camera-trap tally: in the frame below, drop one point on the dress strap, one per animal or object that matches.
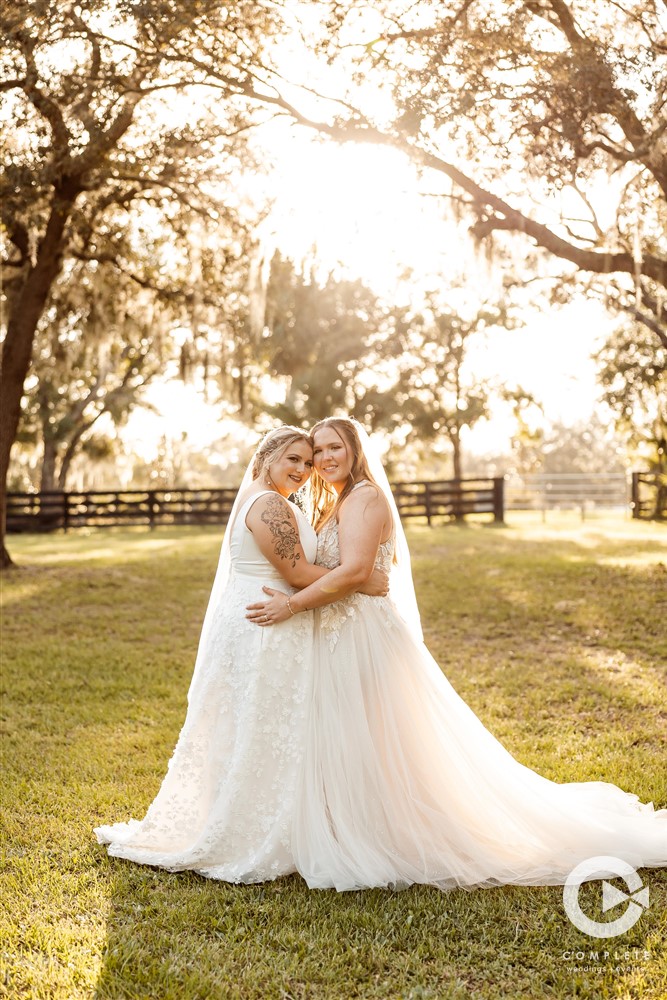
(240, 515)
(255, 496)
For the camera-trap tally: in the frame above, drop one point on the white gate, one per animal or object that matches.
(584, 491)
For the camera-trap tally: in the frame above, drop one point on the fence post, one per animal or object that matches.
(635, 503)
(427, 502)
(499, 499)
(65, 511)
(457, 500)
(152, 508)
(39, 507)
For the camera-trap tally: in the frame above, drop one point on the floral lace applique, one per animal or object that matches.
(334, 616)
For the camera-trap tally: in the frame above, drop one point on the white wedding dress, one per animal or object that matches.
(402, 783)
(226, 805)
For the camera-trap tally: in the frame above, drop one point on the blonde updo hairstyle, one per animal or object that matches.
(274, 445)
(325, 501)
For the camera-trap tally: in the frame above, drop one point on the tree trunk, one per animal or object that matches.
(64, 469)
(456, 444)
(455, 435)
(16, 355)
(456, 456)
(27, 309)
(47, 479)
(71, 450)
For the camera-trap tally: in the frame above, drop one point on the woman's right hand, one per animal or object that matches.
(377, 585)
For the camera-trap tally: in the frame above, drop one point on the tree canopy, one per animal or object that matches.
(542, 122)
(547, 117)
(100, 96)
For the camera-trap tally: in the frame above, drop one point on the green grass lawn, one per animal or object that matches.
(554, 633)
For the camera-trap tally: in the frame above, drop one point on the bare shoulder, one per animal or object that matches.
(270, 508)
(368, 498)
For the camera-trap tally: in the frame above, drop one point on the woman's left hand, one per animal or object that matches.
(377, 585)
(269, 612)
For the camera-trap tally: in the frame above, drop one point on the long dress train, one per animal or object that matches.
(225, 807)
(403, 784)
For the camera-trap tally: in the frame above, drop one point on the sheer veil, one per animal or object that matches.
(401, 585)
(221, 578)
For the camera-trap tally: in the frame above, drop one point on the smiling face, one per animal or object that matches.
(332, 457)
(291, 469)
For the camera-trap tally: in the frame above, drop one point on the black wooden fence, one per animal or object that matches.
(447, 498)
(451, 498)
(115, 508)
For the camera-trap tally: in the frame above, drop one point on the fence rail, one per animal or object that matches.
(450, 498)
(51, 511)
(115, 508)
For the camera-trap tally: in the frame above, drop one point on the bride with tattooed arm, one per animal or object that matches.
(225, 808)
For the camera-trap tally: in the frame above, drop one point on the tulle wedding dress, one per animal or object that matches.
(401, 783)
(226, 805)
(333, 745)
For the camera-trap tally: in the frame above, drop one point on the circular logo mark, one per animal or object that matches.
(601, 867)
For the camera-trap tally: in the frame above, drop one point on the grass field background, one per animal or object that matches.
(555, 635)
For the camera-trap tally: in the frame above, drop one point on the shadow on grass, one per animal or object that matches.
(184, 937)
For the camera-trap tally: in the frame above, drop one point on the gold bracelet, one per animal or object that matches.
(290, 607)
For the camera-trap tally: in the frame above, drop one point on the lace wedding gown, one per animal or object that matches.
(402, 783)
(226, 805)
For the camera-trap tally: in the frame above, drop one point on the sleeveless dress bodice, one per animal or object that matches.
(331, 617)
(246, 556)
(328, 549)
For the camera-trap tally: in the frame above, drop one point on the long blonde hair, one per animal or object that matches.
(325, 500)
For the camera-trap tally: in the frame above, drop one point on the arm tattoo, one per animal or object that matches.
(283, 529)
